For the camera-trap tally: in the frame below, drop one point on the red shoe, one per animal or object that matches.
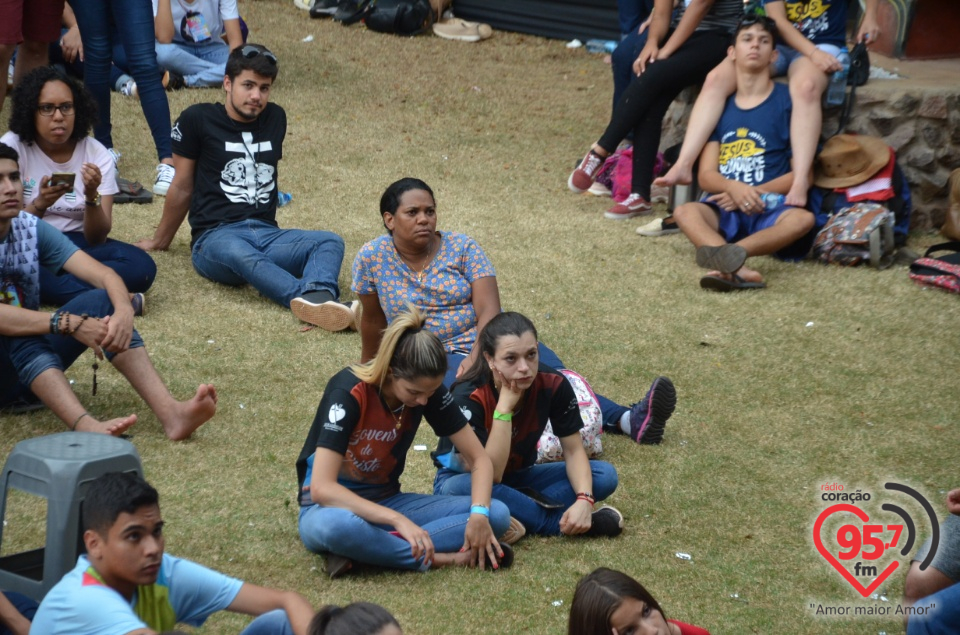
(633, 205)
(583, 177)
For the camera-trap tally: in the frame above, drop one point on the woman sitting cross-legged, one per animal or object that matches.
(449, 278)
(50, 122)
(510, 396)
(350, 466)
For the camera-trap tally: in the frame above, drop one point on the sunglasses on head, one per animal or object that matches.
(250, 52)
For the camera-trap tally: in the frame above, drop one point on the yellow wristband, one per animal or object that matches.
(503, 416)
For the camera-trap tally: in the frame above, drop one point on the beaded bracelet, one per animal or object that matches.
(503, 416)
(483, 510)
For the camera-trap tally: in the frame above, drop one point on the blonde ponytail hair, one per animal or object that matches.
(407, 350)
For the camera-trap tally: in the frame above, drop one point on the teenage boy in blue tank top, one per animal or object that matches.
(747, 156)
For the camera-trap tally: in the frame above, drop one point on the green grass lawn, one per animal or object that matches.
(831, 374)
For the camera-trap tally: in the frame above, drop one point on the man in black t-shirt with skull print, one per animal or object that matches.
(226, 158)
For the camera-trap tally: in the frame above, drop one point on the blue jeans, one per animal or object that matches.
(118, 68)
(339, 531)
(282, 264)
(22, 359)
(200, 64)
(134, 266)
(611, 410)
(632, 13)
(549, 479)
(273, 622)
(24, 605)
(944, 619)
(102, 22)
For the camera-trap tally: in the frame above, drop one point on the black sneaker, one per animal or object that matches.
(607, 521)
(324, 8)
(649, 416)
(173, 80)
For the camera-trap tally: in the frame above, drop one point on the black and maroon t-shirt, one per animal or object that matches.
(354, 421)
(550, 397)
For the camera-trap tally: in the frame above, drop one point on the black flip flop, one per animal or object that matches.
(718, 283)
(337, 565)
(131, 192)
(725, 258)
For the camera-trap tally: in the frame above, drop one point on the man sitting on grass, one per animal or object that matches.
(226, 157)
(748, 155)
(36, 346)
(126, 584)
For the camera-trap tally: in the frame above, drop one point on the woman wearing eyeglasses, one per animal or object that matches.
(49, 126)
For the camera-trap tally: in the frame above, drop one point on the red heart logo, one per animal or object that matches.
(862, 515)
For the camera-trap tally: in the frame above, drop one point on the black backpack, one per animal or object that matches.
(401, 17)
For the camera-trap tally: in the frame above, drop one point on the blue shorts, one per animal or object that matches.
(735, 226)
(787, 55)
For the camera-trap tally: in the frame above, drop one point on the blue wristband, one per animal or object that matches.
(483, 510)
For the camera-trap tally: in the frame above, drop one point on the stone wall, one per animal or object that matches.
(922, 126)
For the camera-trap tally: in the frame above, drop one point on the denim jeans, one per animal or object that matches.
(200, 64)
(24, 605)
(549, 479)
(22, 359)
(134, 266)
(281, 264)
(273, 622)
(339, 531)
(75, 68)
(101, 22)
(611, 410)
(941, 613)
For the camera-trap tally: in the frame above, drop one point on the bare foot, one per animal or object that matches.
(678, 174)
(114, 427)
(187, 416)
(797, 196)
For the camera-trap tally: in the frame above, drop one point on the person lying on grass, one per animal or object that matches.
(609, 602)
(350, 466)
(449, 278)
(748, 156)
(36, 346)
(510, 396)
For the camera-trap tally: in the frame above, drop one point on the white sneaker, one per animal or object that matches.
(330, 316)
(129, 89)
(164, 178)
(657, 228)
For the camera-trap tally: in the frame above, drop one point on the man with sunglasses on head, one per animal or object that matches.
(226, 158)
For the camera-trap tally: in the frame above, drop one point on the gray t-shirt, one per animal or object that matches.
(722, 16)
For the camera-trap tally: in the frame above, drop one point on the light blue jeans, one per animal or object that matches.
(339, 531)
(272, 623)
(549, 479)
(201, 65)
(281, 264)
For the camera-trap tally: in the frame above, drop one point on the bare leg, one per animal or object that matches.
(700, 224)
(178, 418)
(721, 82)
(790, 226)
(30, 55)
(807, 83)
(52, 388)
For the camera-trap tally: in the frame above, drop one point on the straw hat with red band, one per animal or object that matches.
(847, 160)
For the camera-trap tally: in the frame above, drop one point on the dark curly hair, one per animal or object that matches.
(26, 98)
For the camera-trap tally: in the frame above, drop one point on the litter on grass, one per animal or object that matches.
(684, 556)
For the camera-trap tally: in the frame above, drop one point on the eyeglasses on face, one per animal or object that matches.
(250, 52)
(66, 109)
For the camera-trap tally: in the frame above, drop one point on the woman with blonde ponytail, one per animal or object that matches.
(350, 466)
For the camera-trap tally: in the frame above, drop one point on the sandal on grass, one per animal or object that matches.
(131, 192)
(718, 283)
(725, 258)
(337, 565)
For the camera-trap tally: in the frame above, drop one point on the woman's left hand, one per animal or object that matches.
(577, 519)
(90, 174)
(479, 540)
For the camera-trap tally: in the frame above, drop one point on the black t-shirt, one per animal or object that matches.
(354, 421)
(236, 170)
(550, 397)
